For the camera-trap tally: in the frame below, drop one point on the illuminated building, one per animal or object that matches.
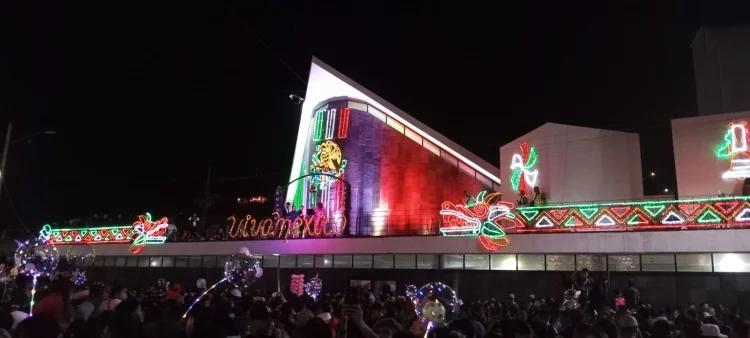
(407, 205)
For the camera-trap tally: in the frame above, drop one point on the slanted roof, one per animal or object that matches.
(325, 82)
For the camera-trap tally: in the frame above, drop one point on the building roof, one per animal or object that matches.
(325, 82)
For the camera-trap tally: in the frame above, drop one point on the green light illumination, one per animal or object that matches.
(724, 150)
(654, 210)
(643, 204)
(529, 214)
(318, 135)
(588, 212)
(709, 216)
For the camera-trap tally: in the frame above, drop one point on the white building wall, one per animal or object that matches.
(581, 242)
(578, 164)
(699, 171)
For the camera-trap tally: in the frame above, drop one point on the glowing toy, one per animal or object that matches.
(488, 219)
(735, 149)
(523, 164)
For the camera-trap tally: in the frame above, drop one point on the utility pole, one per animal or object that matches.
(207, 199)
(5, 156)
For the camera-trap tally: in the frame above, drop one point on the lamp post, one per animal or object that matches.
(8, 142)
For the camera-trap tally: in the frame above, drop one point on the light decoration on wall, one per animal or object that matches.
(278, 227)
(344, 122)
(328, 160)
(734, 148)
(488, 218)
(647, 215)
(522, 165)
(142, 232)
(147, 231)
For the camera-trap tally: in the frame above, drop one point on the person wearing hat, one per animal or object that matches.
(261, 323)
(627, 326)
(711, 331)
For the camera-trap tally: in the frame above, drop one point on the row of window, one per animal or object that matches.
(701, 262)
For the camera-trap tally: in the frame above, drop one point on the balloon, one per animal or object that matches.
(433, 302)
(80, 278)
(35, 259)
(200, 284)
(433, 311)
(80, 256)
(259, 272)
(241, 270)
(411, 290)
(313, 287)
(244, 251)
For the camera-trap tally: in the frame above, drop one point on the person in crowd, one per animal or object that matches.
(39, 326)
(117, 294)
(523, 200)
(631, 295)
(540, 198)
(261, 324)
(287, 209)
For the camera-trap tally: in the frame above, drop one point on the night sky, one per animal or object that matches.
(144, 97)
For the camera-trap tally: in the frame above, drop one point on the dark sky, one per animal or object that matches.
(145, 96)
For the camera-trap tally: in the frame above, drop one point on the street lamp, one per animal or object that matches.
(8, 142)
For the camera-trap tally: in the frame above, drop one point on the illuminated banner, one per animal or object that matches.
(704, 213)
(484, 216)
(283, 228)
(143, 231)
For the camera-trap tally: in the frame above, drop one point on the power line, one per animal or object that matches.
(13, 207)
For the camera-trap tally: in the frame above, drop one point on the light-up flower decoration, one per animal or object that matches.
(523, 165)
(327, 160)
(147, 231)
(488, 218)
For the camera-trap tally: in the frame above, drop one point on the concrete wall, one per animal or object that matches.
(699, 171)
(579, 164)
(583, 242)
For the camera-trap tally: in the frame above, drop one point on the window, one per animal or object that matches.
(287, 261)
(477, 262)
(195, 261)
(132, 261)
(624, 262)
(181, 262)
(121, 261)
(323, 261)
(427, 262)
(405, 261)
(167, 262)
(270, 261)
(657, 263)
(561, 262)
(503, 261)
(693, 262)
(210, 261)
(155, 262)
(591, 262)
(382, 261)
(731, 262)
(452, 261)
(363, 261)
(305, 261)
(143, 261)
(531, 262)
(99, 261)
(110, 261)
(342, 261)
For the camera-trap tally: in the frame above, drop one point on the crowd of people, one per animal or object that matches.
(63, 310)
